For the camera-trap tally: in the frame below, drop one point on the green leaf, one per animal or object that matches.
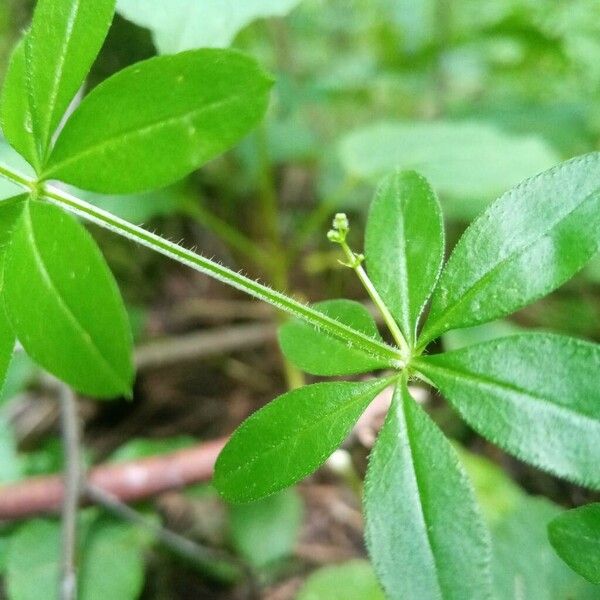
(113, 561)
(111, 566)
(290, 438)
(353, 580)
(15, 112)
(64, 39)
(536, 395)
(469, 161)
(404, 246)
(265, 532)
(425, 535)
(158, 120)
(186, 24)
(320, 354)
(524, 565)
(575, 535)
(526, 244)
(64, 304)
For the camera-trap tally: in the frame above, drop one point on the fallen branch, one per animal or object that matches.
(128, 481)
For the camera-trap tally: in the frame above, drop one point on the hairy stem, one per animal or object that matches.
(297, 309)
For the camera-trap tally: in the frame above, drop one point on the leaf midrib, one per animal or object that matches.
(47, 279)
(422, 513)
(478, 378)
(60, 67)
(141, 131)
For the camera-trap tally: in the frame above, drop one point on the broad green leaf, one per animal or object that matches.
(64, 39)
(179, 25)
(575, 535)
(158, 120)
(536, 395)
(266, 531)
(526, 244)
(320, 354)
(290, 438)
(470, 161)
(524, 564)
(404, 246)
(64, 304)
(353, 580)
(111, 560)
(15, 112)
(425, 535)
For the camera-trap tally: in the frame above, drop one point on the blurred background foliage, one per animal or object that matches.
(475, 94)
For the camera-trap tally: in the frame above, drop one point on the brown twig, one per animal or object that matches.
(128, 481)
(72, 490)
(203, 344)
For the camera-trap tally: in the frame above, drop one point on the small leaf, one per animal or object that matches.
(186, 24)
(575, 535)
(266, 531)
(320, 354)
(15, 112)
(353, 580)
(290, 438)
(535, 395)
(64, 39)
(404, 246)
(64, 304)
(424, 532)
(158, 120)
(526, 244)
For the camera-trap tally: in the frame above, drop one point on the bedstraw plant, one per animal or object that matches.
(536, 395)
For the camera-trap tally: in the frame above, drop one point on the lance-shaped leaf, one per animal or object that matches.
(575, 535)
(15, 113)
(425, 535)
(158, 120)
(64, 304)
(404, 246)
(526, 244)
(290, 438)
(320, 354)
(64, 39)
(535, 395)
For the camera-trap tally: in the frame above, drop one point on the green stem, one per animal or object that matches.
(355, 263)
(211, 268)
